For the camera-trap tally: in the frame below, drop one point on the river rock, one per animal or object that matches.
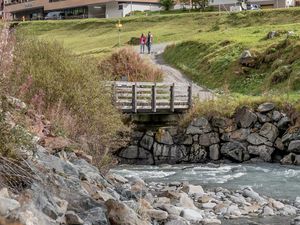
(164, 137)
(294, 146)
(263, 151)
(209, 139)
(236, 151)
(210, 222)
(147, 142)
(193, 215)
(245, 117)
(156, 214)
(209, 205)
(267, 211)
(171, 209)
(199, 126)
(233, 210)
(279, 144)
(256, 139)
(276, 204)
(188, 140)
(197, 153)
(266, 107)
(248, 192)
(288, 159)
(120, 214)
(269, 131)
(296, 221)
(73, 219)
(177, 221)
(193, 189)
(8, 205)
(288, 210)
(214, 152)
(186, 202)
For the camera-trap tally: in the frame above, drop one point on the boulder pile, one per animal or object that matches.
(250, 136)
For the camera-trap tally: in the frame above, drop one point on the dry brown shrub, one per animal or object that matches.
(128, 63)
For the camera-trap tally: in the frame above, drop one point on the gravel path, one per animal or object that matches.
(172, 75)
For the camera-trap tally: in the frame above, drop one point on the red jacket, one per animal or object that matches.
(143, 40)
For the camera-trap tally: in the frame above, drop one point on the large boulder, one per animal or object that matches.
(8, 205)
(264, 152)
(131, 152)
(209, 139)
(269, 131)
(193, 215)
(283, 123)
(147, 142)
(236, 151)
(266, 107)
(256, 139)
(120, 214)
(291, 159)
(245, 117)
(247, 59)
(164, 137)
(214, 152)
(199, 126)
(197, 153)
(294, 146)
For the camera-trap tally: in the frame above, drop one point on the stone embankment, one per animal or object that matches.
(53, 185)
(264, 134)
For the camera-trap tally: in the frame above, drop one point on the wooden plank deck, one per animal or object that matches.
(149, 97)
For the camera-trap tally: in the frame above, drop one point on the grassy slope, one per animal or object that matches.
(203, 56)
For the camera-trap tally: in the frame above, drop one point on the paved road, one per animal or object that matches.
(172, 75)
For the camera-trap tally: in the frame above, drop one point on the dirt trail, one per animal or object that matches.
(172, 75)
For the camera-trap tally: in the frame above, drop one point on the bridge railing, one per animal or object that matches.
(149, 97)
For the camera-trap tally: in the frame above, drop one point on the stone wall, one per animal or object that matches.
(265, 134)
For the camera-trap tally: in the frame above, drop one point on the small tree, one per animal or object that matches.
(167, 4)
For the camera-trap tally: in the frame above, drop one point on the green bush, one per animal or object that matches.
(47, 76)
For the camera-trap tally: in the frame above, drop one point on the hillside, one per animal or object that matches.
(212, 44)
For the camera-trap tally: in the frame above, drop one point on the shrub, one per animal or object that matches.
(167, 4)
(128, 63)
(53, 80)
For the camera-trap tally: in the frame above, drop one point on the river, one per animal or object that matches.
(273, 180)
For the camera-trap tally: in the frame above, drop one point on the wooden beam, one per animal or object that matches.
(153, 100)
(134, 99)
(172, 97)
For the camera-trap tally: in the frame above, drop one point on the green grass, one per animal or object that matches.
(209, 43)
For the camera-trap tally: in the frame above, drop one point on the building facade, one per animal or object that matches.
(38, 9)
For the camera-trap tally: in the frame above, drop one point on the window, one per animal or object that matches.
(120, 7)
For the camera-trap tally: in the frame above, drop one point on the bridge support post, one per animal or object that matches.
(190, 96)
(172, 97)
(134, 98)
(153, 98)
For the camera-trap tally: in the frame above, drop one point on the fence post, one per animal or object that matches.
(134, 98)
(172, 97)
(153, 97)
(190, 96)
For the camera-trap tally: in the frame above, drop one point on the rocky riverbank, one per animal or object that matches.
(66, 189)
(264, 134)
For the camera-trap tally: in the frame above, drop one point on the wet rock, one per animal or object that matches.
(265, 107)
(269, 131)
(288, 211)
(209, 139)
(245, 118)
(214, 152)
(210, 222)
(263, 151)
(164, 137)
(294, 146)
(147, 142)
(73, 219)
(186, 202)
(236, 151)
(209, 205)
(8, 205)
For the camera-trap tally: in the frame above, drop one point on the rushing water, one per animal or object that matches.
(274, 180)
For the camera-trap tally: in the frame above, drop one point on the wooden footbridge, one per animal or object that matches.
(152, 98)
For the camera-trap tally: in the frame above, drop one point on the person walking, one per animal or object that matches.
(143, 41)
(149, 42)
